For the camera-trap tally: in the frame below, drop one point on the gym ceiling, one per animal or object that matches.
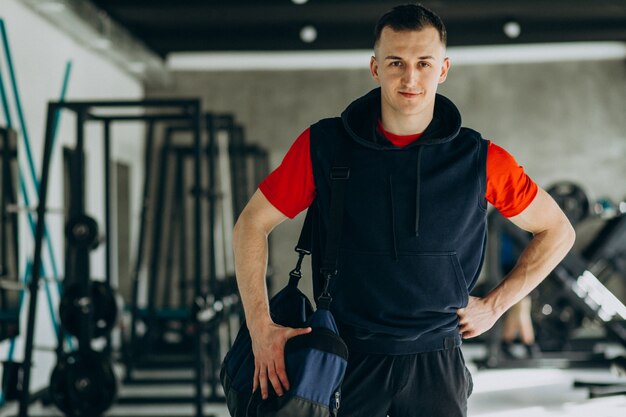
(285, 25)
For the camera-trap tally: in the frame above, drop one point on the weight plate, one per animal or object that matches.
(554, 317)
(82, 231)
(83, 383)
(572, 199)
(104, 304)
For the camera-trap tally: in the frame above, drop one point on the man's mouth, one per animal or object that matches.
(408, 94)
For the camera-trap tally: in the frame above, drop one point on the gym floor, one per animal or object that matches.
(497, 393)
(538, 392)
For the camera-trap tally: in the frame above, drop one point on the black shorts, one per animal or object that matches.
(429, 384)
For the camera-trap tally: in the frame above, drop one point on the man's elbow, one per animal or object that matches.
(248, 225)
(568, 233)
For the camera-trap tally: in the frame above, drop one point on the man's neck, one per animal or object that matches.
(403, 125)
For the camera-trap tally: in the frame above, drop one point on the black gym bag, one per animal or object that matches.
(315, 362)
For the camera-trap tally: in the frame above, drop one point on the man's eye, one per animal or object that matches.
(396, 64)
(424, 64)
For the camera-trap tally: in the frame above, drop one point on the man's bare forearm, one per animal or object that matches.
(251, 252)
(250, 247)
(544, 252)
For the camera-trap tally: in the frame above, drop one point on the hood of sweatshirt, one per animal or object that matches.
(361, 116)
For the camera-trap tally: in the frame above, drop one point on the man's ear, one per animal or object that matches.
(445, 67)
(374, 69)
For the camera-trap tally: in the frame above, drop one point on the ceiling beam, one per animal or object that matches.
(194, 25)
(259, 13)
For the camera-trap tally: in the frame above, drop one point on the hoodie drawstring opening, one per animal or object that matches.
(417, 191)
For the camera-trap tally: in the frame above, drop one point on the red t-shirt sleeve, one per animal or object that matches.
(509, 189)
(290, 187)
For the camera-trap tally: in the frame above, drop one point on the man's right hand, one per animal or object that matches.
(268, 346)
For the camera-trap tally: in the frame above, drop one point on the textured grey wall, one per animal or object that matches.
(560, 120)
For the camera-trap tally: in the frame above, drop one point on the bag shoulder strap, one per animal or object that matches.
(304, 242)
(339, 175)
(302, 248)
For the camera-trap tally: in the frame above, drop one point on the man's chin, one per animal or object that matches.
(415, 110)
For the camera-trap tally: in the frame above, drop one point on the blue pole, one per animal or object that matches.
(18, 102)
(57, 115)
(5, 103)
(7, 53)
(31, 164)
(20, 115)
(29, 154)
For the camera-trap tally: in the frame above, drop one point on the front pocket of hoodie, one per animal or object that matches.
(419, 291)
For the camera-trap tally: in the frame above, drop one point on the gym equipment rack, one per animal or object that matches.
(184, 111)
(219, 301)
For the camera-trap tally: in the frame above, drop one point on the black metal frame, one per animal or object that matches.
(177, 233)
(8, 196)
(177, 215)
(239, 155)
(607, 252)
(217, 123)
(157, 238)
(154, 262)
(177, 226)
(187, 111)
(212, 124)
(129, 355)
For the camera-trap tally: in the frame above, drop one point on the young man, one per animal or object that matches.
(414, 232)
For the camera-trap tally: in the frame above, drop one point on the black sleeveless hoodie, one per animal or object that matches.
(414, 227)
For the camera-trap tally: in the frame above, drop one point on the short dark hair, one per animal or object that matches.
(410, 17)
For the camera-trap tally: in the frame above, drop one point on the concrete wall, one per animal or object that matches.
(40, 52)
(560, 120)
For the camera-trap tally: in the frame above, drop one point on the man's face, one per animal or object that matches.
(409, 65)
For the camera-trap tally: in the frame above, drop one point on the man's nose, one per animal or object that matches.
(410, 75)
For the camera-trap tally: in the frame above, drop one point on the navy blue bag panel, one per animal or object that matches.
(290, 307)
(316, 363)
(325, 355)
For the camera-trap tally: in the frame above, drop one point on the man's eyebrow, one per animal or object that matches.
(421, 57)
